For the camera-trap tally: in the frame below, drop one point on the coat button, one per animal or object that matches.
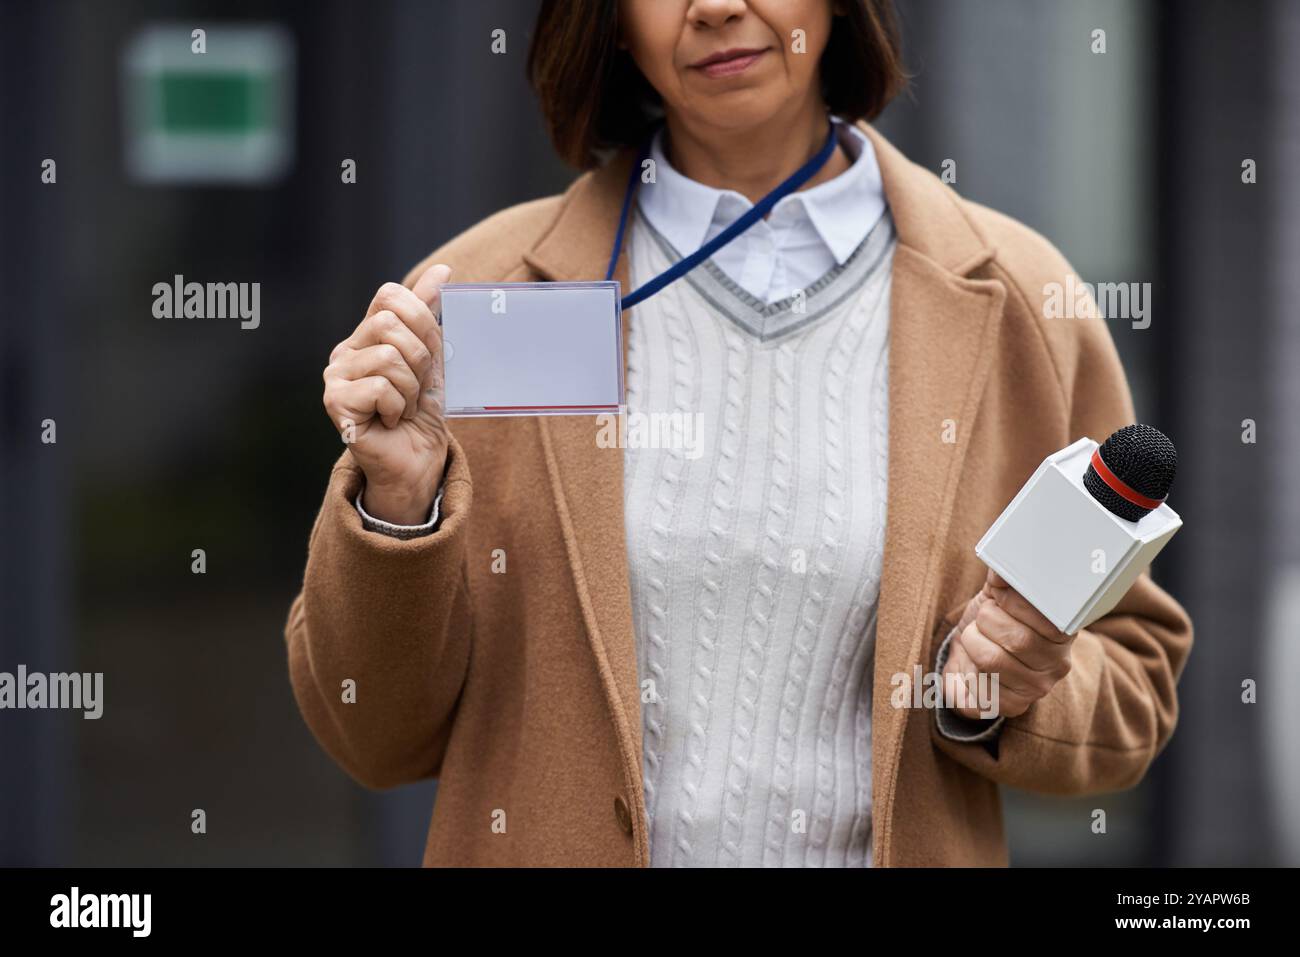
(623, 814)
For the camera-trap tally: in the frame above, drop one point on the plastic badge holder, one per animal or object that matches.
(532, 348)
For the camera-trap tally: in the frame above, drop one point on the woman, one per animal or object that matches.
(685, 655)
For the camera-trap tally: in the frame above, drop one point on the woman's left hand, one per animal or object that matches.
(1000, 634)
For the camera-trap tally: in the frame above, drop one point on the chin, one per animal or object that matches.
(739, 110)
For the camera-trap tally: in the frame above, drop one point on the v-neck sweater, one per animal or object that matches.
(754, 496)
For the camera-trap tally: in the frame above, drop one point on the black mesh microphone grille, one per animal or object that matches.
(1142, 458)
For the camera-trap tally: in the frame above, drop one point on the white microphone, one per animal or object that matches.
(1085, 525)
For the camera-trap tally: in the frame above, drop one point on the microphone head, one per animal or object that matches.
(1138, 463)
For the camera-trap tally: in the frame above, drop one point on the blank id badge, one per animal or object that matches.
(532, 348)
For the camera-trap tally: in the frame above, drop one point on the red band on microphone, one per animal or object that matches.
(1118, 487)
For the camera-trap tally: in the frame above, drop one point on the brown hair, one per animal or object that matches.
(594, 98)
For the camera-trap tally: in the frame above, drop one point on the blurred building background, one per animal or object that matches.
(177, 436)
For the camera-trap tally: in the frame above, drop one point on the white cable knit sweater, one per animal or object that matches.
(755, 546)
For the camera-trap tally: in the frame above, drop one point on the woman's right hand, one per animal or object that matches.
(384, 394)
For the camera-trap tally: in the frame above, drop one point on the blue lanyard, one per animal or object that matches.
(751, 216)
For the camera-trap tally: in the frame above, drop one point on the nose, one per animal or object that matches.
(714, 13)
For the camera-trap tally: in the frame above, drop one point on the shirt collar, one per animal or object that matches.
(841, 210)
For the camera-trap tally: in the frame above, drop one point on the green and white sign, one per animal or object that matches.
(209, 104)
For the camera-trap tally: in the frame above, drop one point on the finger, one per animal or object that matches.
(972, 607)
(1011, 704)
(362, 399)
(1019, 640)
(384, 328)
(991, 580)
(408, 307)
(383, 360)
(972, 697)
(960, 683)
(990, 658)
(1015, 605)
(422, 355)
(428, 287)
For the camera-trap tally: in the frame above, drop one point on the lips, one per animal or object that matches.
(728, 62)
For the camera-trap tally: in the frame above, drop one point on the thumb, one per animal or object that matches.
(429, 287)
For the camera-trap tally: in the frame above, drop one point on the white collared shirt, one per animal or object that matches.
(807, 233)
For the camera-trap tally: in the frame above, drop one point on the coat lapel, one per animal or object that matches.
(587, 480)
(943, 330)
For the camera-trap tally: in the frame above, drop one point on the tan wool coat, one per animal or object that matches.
(519, 691)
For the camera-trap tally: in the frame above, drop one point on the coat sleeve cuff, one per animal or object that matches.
(401, 531)
(956, 727)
